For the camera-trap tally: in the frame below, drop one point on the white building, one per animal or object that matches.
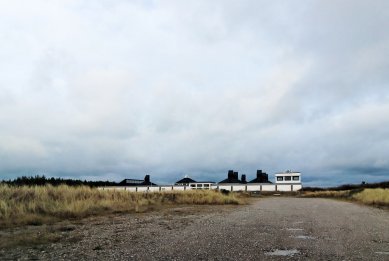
(288, 181)
(201, 185)
(188, 182)
(284, 182)
(288, 177)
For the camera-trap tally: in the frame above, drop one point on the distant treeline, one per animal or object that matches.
(42, 180)
(363, 185)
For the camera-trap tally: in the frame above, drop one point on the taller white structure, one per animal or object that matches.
(288, 177)
(288, 181)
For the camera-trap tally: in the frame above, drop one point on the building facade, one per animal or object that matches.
(284, 182)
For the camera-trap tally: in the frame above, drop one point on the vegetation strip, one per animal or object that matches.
(375, 197)
(37, 205)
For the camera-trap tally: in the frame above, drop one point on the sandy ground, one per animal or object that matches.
(267, 229)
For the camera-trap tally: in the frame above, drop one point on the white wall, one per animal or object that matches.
(226, 187)
(153, 189)
(235, 187)
(180, 188)
(268, 187)
(132, 189)
(142, 189)
(239, 187)
(297, 187)
(251, 187)
(284, 187)
(166, 188)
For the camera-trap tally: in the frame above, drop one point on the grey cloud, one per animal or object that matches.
(99, 89)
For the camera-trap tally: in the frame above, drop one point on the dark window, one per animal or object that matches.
(206, 185)
(192, 185)
(199, 185)
(280, 179)
(296, 178)
(287, 178)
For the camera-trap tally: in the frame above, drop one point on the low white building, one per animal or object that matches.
(201, 185)
(192, 184)
(286, 182)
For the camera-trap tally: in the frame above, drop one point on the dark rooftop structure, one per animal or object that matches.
(262, 177)
(137, 182)
(232, 178)
(243, 178)
(185, 181)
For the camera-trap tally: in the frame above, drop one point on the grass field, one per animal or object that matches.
(44, 204)
(376, 196)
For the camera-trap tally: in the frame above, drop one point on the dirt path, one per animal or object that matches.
(271, 229)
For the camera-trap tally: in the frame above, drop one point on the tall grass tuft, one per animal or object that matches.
(41, 204)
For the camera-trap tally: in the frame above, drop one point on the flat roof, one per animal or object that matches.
(288, 173)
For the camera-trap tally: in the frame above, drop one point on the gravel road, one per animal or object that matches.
(267, 229)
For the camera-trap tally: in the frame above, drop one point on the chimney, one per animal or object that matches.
(230, 174)
(236, 175)
(265, 177)
(259, 173)
(244, 178)
(147, 179)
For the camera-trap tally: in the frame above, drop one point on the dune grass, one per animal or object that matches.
(327, 194)
(45, 204)
(375, 197)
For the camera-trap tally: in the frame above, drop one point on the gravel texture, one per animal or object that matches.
(267, 229)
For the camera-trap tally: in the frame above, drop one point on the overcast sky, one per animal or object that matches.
(102, 89)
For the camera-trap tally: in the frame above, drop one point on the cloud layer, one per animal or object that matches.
(108, 90)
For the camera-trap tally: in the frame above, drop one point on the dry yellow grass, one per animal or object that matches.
(376, 196)
(42, 204)
(327, 194)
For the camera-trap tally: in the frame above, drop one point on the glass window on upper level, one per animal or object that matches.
(288, 178)
(296, 178)
(280, 178)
